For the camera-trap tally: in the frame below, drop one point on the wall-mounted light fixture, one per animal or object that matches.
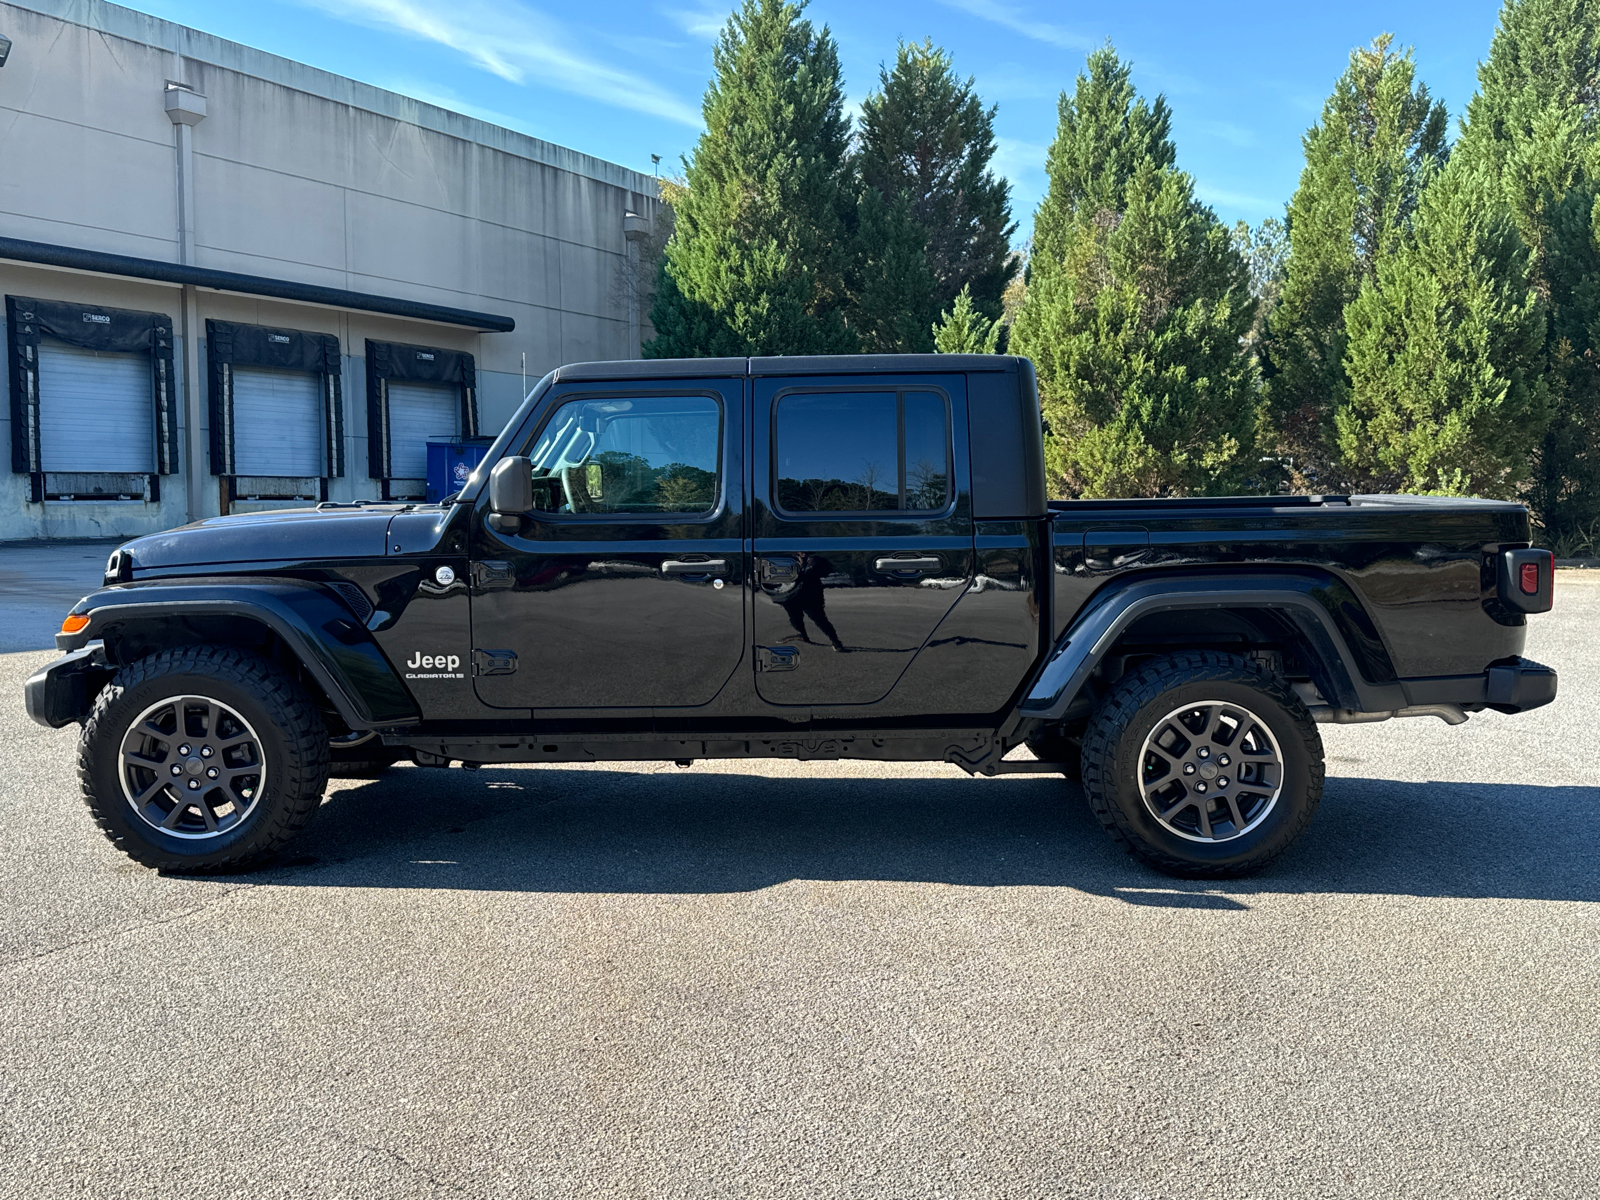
(5, 49)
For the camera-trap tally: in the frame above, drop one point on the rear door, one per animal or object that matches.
(625, 587)
(863, 530)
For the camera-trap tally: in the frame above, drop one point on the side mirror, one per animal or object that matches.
(510, 493)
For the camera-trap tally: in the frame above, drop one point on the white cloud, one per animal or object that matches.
(520, 45)
(1016, 159)
(1014, 19)
(1238, 202)
(1235, 135)
(704, 23)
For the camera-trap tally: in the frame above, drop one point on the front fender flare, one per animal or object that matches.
(336, 651)
(1308, 600)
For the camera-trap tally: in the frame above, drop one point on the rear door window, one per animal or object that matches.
(861, 452)
(637, 455)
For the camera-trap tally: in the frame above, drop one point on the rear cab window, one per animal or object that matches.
(861, 452)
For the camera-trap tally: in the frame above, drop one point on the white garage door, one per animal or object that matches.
(277, 422)
(420, 413)
(96, 410)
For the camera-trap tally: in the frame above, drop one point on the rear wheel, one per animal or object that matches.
(1203, 765)
(202, 757)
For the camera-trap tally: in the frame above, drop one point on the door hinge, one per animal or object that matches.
(777, 658)
(491, 574)
(494, 662)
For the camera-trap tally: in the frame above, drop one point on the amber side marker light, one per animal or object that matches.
(74, 624)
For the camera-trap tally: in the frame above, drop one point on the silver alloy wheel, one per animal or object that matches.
(191, 767)
(1210, 771)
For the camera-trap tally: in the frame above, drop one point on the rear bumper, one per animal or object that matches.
(64, 691)
(1517, 685)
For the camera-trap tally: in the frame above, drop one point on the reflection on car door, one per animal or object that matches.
(863, 531)
(624, 586)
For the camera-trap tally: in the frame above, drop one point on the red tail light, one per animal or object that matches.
(1527, 580)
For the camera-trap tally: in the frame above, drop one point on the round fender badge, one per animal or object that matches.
(444, 576)
(717, 583)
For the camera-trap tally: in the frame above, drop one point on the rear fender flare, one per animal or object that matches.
(322, 634)
(1316, 604)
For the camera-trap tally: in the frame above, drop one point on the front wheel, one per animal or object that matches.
(1203, 765)
(202, 758)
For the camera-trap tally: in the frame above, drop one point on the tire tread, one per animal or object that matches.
(1141, 687)
(301, 781)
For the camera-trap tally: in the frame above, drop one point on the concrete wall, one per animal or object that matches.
(304, 176)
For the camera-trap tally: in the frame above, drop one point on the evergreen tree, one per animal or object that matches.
(1136, 305)
(891, 285)
(926, 134)
(1380, 139)
(1265, 250)
(1532, 130)
(1445, 353)
(964, 330)
(758, 258)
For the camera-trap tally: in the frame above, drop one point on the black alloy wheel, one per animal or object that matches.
(1203, 764)
(202, 758)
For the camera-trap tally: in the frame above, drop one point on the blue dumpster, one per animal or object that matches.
(449, 464)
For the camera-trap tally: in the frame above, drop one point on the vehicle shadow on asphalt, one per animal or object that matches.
(557, 830)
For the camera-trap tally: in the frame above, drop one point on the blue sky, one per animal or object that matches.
(623, 79)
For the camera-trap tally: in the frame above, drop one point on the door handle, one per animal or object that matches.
(703, 567)
(907, 566)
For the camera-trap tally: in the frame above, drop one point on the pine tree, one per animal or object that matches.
(1444, 354)
(1532, 129)
(926, 133)
(964, 330)
(1136, 305)
(1380, 139)
(758, 259)
(1265, 250)
(891, 285)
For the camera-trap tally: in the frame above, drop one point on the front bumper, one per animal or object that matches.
(1514, 686)
(64, 691)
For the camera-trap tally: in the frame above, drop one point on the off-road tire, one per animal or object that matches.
(1116, 733)
(294, 747)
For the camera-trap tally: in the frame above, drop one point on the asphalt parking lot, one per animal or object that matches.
(821, 980)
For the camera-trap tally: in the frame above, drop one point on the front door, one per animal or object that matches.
(624, 587)
(863, 531)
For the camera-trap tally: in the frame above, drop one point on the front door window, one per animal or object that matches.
(636, 456)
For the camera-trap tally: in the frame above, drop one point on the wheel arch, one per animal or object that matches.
(1312, 615)
(298, 624)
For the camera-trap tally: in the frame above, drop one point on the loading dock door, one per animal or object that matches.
(95, 410)
(419, 413)
(277, 420)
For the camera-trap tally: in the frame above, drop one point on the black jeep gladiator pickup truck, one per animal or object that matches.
(809, 558)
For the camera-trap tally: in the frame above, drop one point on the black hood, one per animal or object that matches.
(288, 535)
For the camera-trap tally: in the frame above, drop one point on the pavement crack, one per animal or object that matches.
(421, 1172)
(112, 934)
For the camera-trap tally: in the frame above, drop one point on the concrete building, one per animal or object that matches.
(233, 281)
